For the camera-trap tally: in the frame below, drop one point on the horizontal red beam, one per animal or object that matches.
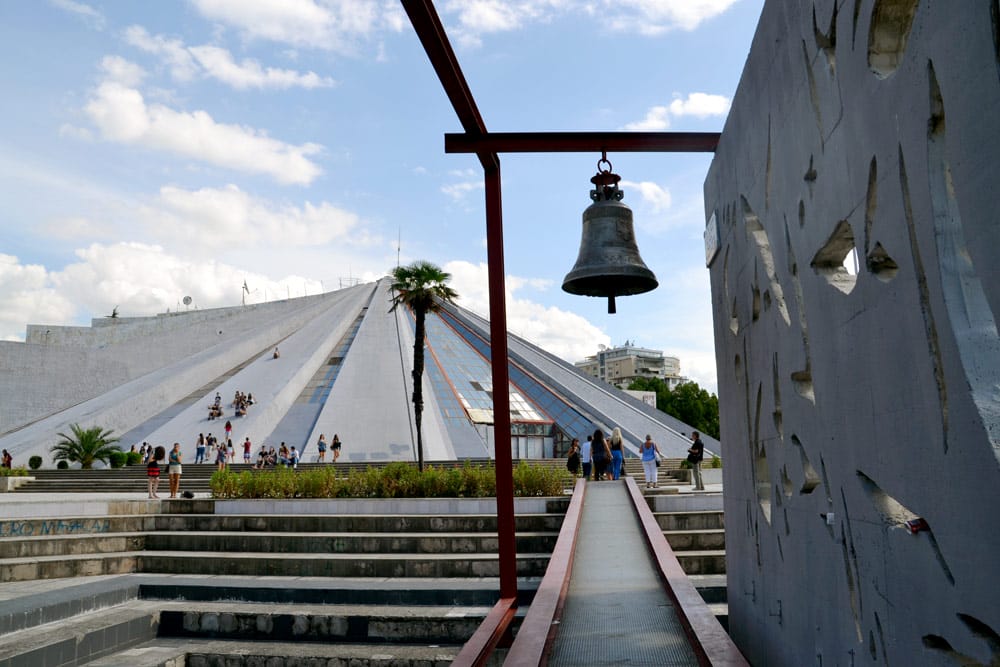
(581, 142)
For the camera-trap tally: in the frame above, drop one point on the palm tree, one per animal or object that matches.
(421, 287)
(85, 446)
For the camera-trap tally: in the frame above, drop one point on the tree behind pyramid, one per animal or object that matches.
(421, 287)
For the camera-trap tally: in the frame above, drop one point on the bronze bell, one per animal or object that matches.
(609, 263)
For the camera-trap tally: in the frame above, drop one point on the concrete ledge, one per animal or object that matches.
(10, 483)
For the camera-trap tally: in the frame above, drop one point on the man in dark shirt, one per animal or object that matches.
(695, 454)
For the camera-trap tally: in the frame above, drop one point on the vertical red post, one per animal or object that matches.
(501, 383)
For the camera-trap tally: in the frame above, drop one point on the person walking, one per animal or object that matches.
(153, 470)
(321, 448)
(174, 469)
(335, 446)
(573, 458)
(229, 429)
(695, 454)
(601, 454)
(585, 457)
(220, 455)
(8, 460)
(247, 446)
(617, 447)
(650, 454)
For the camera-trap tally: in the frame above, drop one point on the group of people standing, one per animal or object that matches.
(154, 455)
(603, 457)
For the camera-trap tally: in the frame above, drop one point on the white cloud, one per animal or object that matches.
(654, 17)
(335, 25)
(84, 11)
(215, 62)
(231, 218)
(121, 114)
(657, 118)
(119, 70)
(25, 293)
(699, 105)
(459, 191)
(564, 334)
(74, 132)
(656, 196)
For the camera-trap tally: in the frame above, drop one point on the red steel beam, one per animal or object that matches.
(476, 652)
(581, 142)
(435, 42)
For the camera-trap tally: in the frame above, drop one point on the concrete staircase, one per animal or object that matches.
(271, 583)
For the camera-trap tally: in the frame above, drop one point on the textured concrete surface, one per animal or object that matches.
(860, 395)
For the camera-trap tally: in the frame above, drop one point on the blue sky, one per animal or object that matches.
(151, 151)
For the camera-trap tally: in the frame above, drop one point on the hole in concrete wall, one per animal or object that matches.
(881, 637)
(776, 384)
(827, 41)
(851, 562)
(893, 512)
(837, 260)
(734, 320)
(851, 589)
(802, 213)
(890, 28)
(763, 472)
(755, 301)
(881, 264)
(995, 17)
(813, 91)
(759, 236)
(801, 380)
(737, 367)
(871, 201)
(969, 311)
(939, 643)
(786, 482)
(766, 300)
(854, 23)
(810, 480)
(930, 325)
(872, 651)
(810, 175)
(984, 632)
(826, 479)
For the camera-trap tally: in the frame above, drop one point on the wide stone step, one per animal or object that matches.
(87, 525)
(83, 638)
(267, 564)
(702, 562)
(337, 565)
(356, 523)
(695, 540)
(322, 623)
(169, 652)
(341, 543)
(697, 520)
(61, 545)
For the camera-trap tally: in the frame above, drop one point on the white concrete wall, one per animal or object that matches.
(853, 403)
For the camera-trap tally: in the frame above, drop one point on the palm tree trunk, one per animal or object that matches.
(418, 373)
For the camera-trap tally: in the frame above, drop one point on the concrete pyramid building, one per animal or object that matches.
(344, 368)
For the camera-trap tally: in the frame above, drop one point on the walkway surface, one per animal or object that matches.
(617, 611)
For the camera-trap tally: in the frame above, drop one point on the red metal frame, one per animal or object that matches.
(484, 640)
(477, 140)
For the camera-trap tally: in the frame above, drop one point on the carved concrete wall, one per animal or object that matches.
(854, 207)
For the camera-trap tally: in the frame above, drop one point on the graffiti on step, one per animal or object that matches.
(35, 527)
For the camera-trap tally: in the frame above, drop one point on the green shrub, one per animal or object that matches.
(14, 472)
(35, 462)
(685, 464)
(133, 458)
(716, 461)
(117, 459)
(62, 465)
(395, 480)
